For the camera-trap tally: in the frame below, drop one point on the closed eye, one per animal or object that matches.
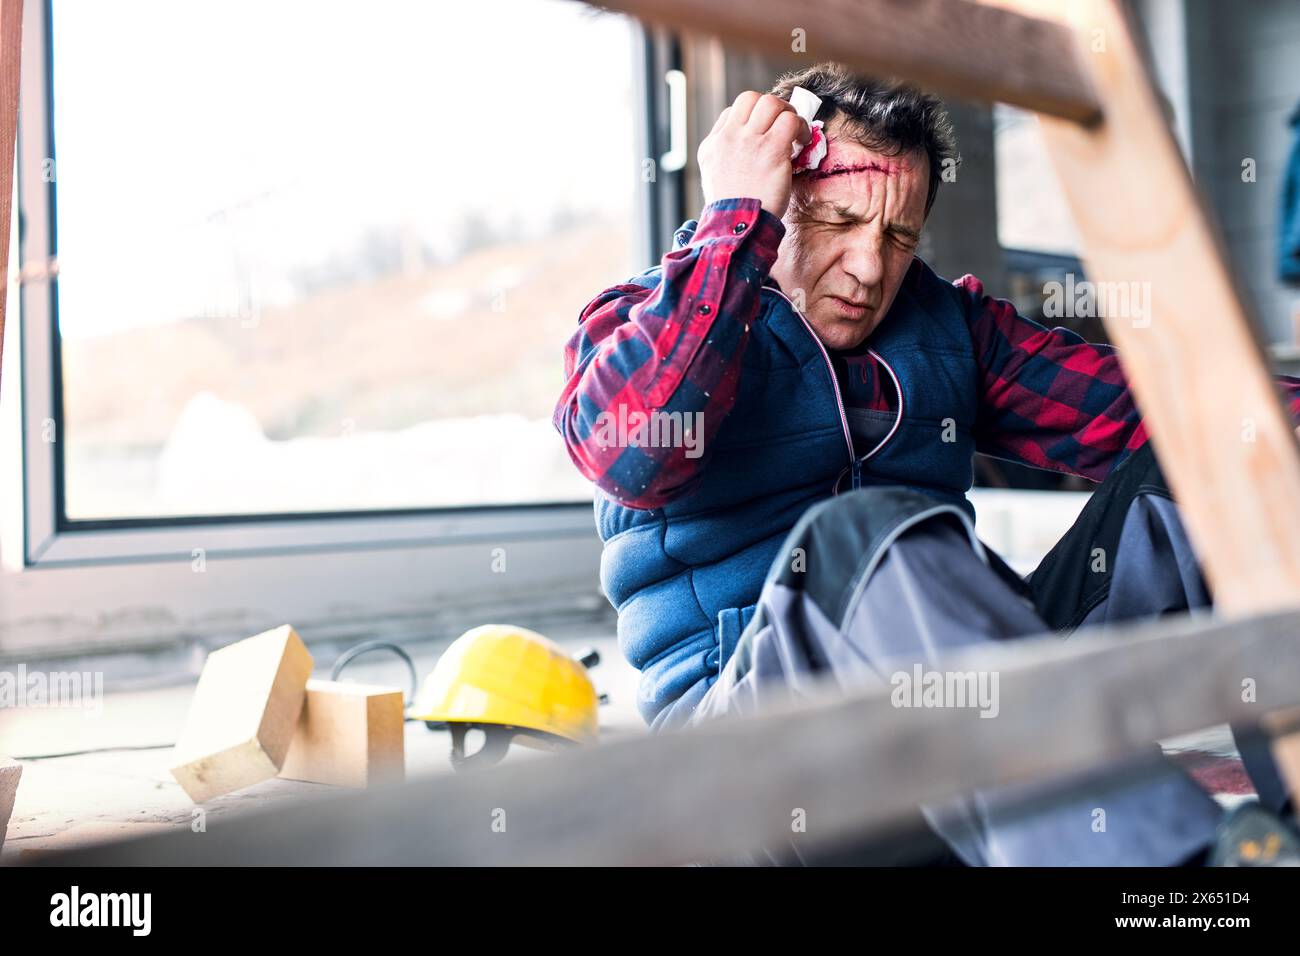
(905, 240)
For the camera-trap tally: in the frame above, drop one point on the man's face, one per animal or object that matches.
(851, 230)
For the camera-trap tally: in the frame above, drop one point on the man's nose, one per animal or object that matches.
(864, 260)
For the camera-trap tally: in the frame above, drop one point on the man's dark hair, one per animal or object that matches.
(883, 115)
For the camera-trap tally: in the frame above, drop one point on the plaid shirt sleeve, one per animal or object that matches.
(668, 353)
(1051, 400)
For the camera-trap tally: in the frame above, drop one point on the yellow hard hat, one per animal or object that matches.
(512, 683)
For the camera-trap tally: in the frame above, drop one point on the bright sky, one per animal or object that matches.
(197, 138)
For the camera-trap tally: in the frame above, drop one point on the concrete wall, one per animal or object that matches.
(1244, 78)
(961, 235)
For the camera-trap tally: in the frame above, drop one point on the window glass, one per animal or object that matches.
(1032, 211)
(324, 256)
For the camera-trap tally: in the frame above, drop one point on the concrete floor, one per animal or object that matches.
(118, 781)
(102, 794)
(107, 793)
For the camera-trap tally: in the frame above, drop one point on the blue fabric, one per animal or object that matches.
(685, 578)
(1288, 250)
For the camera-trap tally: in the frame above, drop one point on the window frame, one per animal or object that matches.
(51, 539)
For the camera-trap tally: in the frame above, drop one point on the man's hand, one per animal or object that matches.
(747, 153)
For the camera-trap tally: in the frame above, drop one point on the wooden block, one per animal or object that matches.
(86, 835)
(349, 735)
(10, 773)
(243, 715)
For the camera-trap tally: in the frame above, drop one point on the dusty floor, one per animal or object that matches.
(128, 789)
(117, 781)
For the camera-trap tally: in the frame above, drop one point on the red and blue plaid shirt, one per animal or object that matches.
(1047, 398)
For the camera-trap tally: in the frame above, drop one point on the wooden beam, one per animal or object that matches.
(11, 771)
(1193, 360)
(11, 43)
(849, 764)
(953, 47)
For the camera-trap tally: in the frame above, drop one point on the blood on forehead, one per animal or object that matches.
(841, 161)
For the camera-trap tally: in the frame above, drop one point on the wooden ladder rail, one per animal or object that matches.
(1194, 361)
(851, 765)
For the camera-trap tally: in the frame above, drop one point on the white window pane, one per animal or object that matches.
(1032, 211)
(325, 256)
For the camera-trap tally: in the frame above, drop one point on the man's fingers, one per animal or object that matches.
(792, 125)
(721, 121)
(742, 107)
(766, 112)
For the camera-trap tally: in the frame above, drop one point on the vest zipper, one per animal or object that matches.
(835, 383)
(855, 463)
(898, 415)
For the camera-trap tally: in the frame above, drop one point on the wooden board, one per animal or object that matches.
(849, 764)
(11, 38)
(954, 47)
(1194, 363)
(11, 772)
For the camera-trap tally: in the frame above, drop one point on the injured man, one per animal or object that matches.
(780, 420)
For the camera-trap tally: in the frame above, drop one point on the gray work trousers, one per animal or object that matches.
(890, 577)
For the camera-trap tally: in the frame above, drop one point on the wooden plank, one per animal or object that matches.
(11, 772)
(954, 47)
(243, 715)
(1194, 362)
(11, 41)
(848, 763)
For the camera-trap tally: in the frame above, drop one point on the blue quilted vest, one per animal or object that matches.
(685, 578)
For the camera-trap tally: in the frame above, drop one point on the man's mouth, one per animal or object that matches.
(851, 308)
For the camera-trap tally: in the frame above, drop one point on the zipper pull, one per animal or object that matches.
(857, 473)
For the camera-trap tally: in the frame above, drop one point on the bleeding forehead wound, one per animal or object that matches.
(838, 163)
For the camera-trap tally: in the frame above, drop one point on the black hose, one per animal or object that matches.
(352, 653)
